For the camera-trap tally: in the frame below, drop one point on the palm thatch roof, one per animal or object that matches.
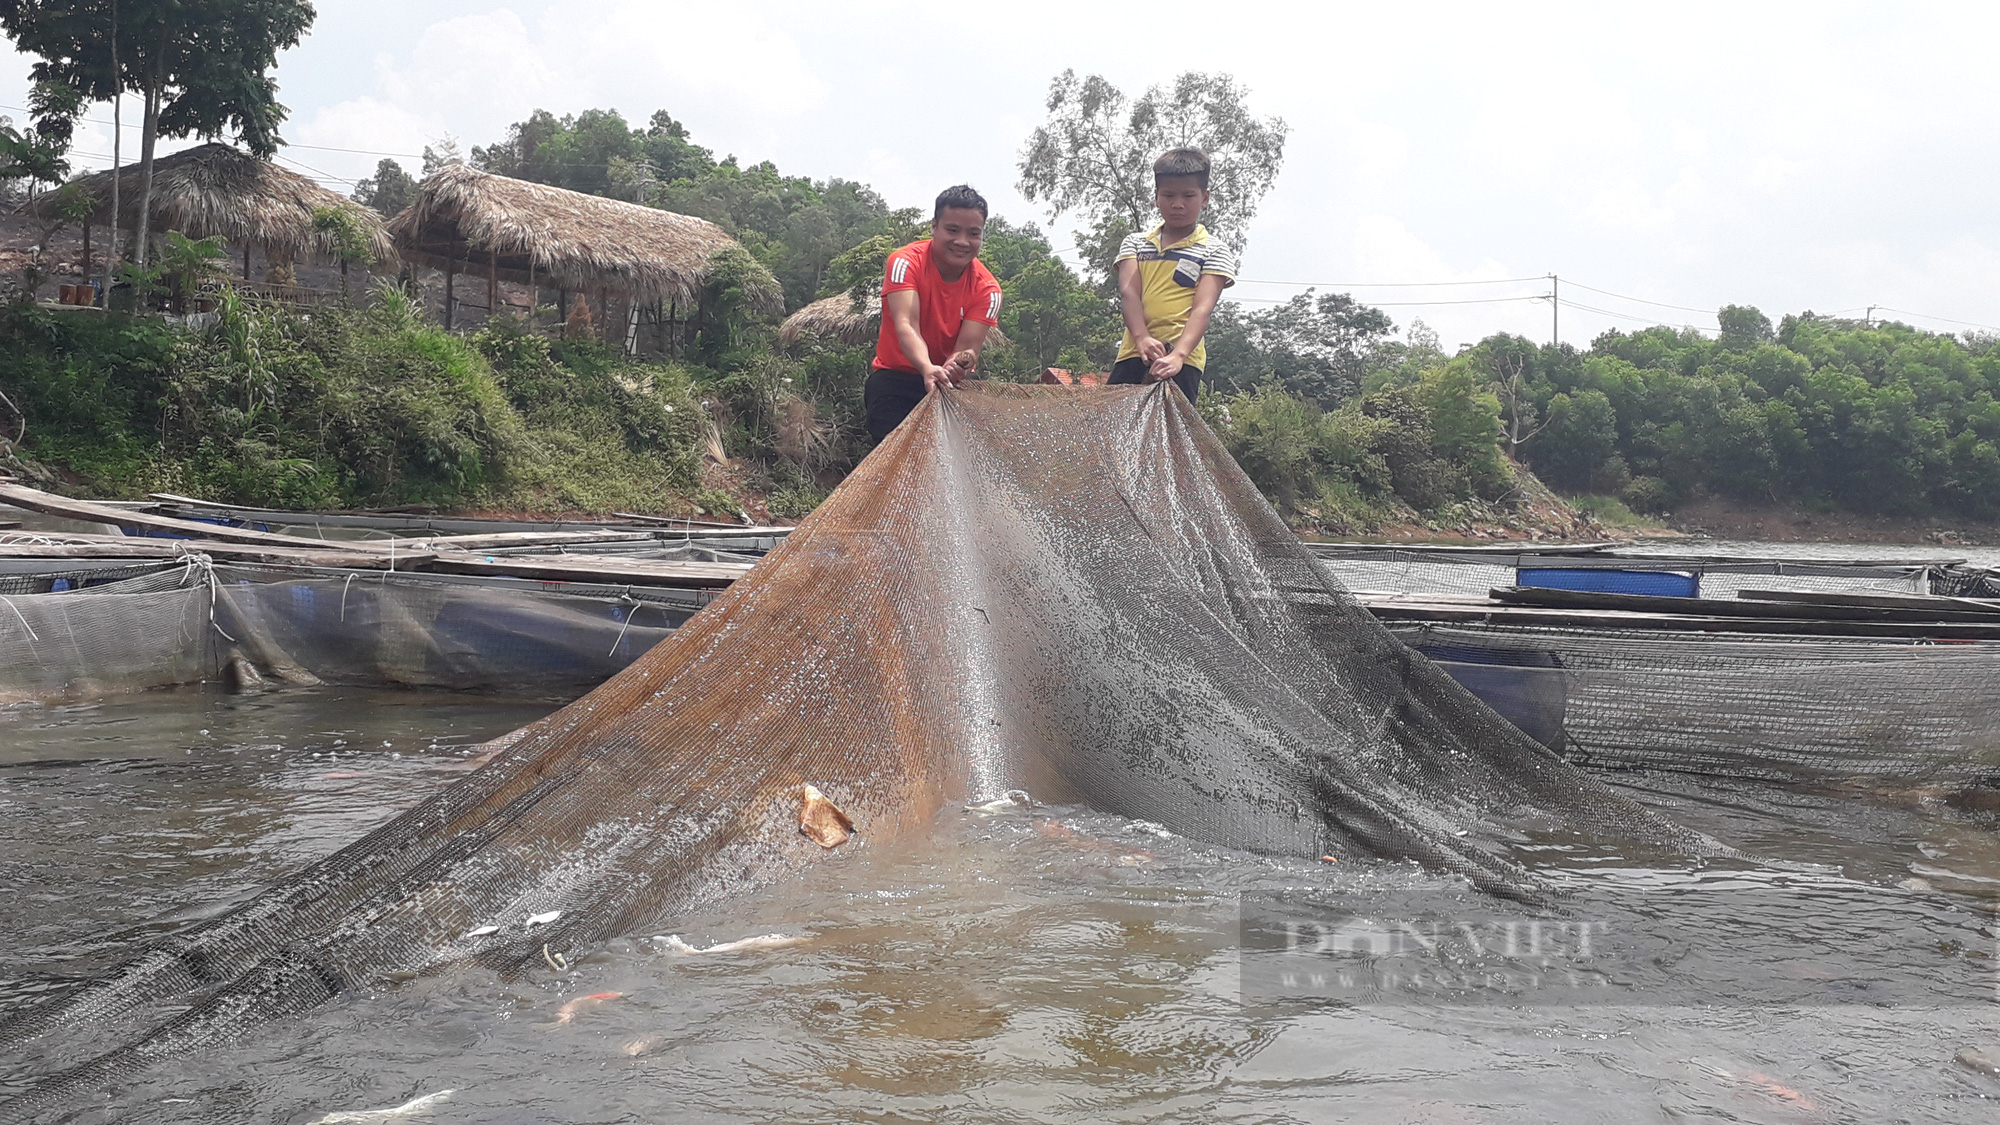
(834, 318)
(214, 189)
(485, 225)
(840, 318)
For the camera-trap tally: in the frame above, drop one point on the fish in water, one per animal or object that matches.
(1011, 799)
(568, 1012)
(644, 1045)
(1985, 1062)
(741, 945)
(1761, 1083)
(414, 1108)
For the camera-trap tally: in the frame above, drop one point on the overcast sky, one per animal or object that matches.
(1823, 156)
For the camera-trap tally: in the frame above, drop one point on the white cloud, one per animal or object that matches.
(710, 52)
(1771, 174)
(473, 62)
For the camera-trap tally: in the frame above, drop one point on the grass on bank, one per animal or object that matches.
(1609, 511)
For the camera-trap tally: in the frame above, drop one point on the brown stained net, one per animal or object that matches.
(1069, 591)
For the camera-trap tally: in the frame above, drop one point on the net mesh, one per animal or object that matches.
(1781, 708)
(188, 621)
(431, 631)
(1075, 593)
(94, 640)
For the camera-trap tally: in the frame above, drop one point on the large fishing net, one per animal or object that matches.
(1072, 593)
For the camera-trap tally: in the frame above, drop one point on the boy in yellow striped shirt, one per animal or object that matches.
(1169, 280)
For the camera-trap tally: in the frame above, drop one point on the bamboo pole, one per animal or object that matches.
(449, 274)
(492, 283)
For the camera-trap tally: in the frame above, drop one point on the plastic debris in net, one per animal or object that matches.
(1072, 593)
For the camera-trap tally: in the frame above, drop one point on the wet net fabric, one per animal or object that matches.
(90, 640)
(1074, 593)
(182, 623)
(1771, 708)
(433, 631)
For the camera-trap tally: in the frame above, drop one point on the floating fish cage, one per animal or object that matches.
(134, 597)
(1815, 669)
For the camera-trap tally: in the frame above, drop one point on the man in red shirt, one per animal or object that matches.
(938, 303)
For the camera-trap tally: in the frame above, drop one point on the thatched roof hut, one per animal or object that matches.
(214, 189)
(834, 318)
(840, 318)
(497, 227)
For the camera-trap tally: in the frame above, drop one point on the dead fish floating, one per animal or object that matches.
(1985, 1063)
(674, 944)
(820, 820)
(1011, 799)
(415, 1107)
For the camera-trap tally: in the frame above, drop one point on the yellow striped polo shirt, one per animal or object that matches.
(1167, 277)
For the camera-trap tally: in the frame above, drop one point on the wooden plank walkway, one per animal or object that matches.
(512, 552)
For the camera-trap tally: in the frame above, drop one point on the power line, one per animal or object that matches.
(316, 171)
(1385, 284)
(1641, 300)
(1940, 319)
(1395, 304)
(1629, 316)
(288, 144)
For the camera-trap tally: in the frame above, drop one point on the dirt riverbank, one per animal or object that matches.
(1722, 520)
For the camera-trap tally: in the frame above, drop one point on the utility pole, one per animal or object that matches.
(1555, 310)
(1868, 318)
(117, 134)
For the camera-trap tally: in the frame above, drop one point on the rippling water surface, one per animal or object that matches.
(1033, 965)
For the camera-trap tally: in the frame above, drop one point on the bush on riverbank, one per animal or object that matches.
(1417, 453)
(345, 408)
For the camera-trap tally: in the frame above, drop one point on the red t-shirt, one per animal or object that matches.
(942, 306)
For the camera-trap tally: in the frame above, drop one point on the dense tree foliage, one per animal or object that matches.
(200, 66)
(1316, 346)
(389, 190)
(1818, 411)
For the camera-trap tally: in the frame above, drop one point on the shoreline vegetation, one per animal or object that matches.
(1812, 428)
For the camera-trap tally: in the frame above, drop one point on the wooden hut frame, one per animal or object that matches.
(465, 220)
(214, 189)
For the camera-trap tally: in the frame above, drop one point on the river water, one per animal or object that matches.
(1038, 964)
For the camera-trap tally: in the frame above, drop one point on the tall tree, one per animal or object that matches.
(388, 191)
(200, 66)
(1094, 155)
